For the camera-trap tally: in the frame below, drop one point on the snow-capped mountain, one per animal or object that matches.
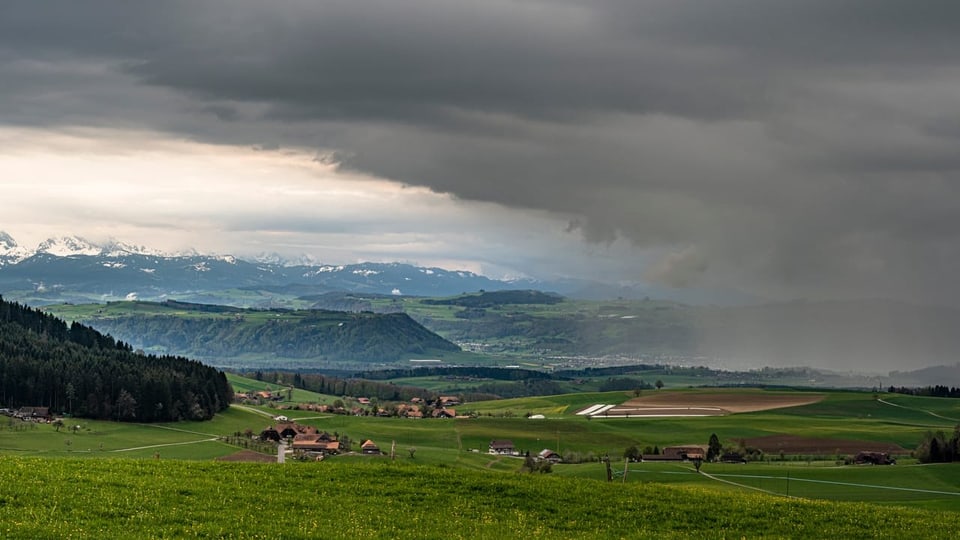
(73, 269)
(10, 251)
(70, 246)
(66, 246)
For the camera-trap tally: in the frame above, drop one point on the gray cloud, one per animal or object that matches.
(785, 148)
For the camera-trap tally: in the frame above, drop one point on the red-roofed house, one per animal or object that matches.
(370, 448)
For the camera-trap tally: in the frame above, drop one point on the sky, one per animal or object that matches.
(783, 149)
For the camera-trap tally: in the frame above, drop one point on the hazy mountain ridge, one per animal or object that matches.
(73, 269)
(115, 270)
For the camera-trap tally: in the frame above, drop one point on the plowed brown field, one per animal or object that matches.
(711, 403)
(791, 444)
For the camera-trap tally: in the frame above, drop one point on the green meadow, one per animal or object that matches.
(376, 498)
(447, 445)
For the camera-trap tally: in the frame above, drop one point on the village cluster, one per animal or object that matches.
(441, 407)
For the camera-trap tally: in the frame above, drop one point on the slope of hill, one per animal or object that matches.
(379, 499)
(75, 369)
(219, 332)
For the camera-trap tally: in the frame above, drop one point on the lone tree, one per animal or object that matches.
(126, 406)
(659, 384)
(713, 448)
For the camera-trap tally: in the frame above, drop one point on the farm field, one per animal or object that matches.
(847, 421)
(378, 499)
(926, 486)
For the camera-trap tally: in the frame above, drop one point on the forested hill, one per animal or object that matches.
(220, 332)
(75, 369)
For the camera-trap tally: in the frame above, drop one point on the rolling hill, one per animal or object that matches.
(220, 333)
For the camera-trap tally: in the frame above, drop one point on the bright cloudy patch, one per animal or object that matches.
(176, 195)
(786, 148)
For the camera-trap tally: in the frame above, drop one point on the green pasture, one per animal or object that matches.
(462, 443)
(840, 415)
(928, 486)
(105, 499)
(100, 439)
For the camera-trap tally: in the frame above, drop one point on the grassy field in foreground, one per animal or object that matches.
(353, 499)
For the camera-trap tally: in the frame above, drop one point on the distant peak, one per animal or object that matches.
(7, 241)
(68, 245)
(10, 251)
(115, 248)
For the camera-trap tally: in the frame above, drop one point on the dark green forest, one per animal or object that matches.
(360, 337)
(79, 371)
(339, 386)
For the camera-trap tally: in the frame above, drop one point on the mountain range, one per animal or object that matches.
(73, 269)
(70, 268)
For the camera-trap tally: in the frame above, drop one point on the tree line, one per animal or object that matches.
(937, 448)
(480, 372)
(338, 386)
(927, 391)
(79, 371)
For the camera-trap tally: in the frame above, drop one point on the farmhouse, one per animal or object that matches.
(732, 457)
(322, 443)
(549, 455)
(38, 414)
(874, 458)
(445, 401)
(444, 413)
(503, 447)
(370, 448)
(286, 430)
(409, 411)
(678, 453)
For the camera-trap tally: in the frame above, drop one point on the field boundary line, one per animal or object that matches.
(931, 413)
(251, 409)
(834, 482)
(162, 445)
(732, 483)
(180, 430)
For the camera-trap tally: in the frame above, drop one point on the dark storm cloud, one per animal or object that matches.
(787, 148)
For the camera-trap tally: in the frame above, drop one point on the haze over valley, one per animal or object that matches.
(574, 319)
